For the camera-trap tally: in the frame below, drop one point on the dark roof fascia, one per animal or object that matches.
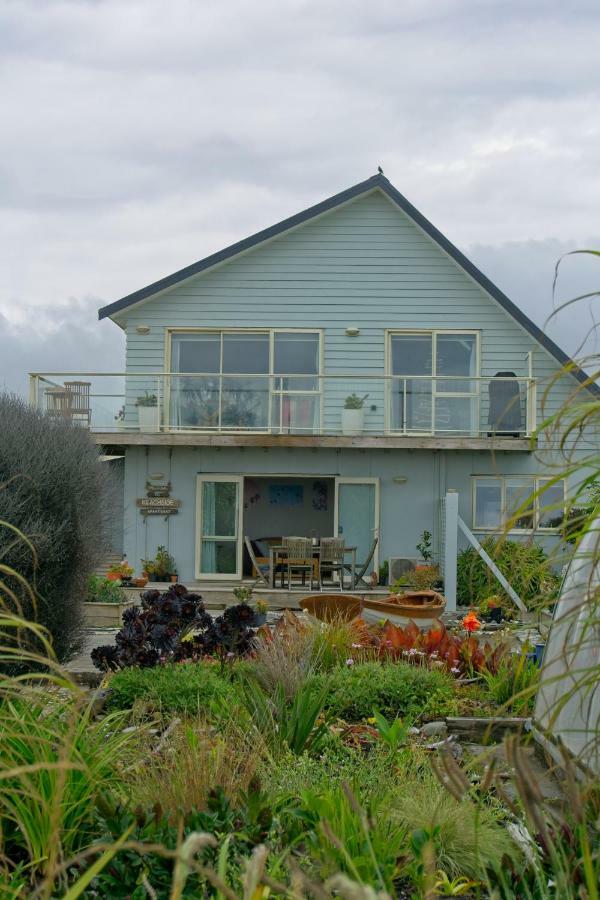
(376, 181)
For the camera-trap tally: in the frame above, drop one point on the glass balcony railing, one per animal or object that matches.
(334, 404)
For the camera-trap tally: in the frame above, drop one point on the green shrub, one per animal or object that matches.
(103, 590)
(525, 566)
(395, 689)
(186, 688)
(467, 839)
(366, 773)
(514, 685)
(58, 495)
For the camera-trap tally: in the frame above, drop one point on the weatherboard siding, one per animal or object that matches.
(365, 264)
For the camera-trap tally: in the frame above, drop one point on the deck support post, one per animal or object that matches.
(450, 548)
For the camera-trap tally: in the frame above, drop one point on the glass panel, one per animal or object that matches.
(517, 492)
(194, 402)
(247, 354)
(488, 503)
(356, 518)
(412, 354)
(219, 508)
(551, 504)
(456, 354)
(295, 414)
(218, 558)
(296, 353)
(454, 414)
(245, 402)
(200, 353)
(411, 405)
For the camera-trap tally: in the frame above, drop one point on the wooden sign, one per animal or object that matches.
(158, 506)
(158, 490)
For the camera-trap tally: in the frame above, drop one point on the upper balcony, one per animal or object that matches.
(265, 410)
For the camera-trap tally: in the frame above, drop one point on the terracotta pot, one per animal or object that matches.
(173, 579)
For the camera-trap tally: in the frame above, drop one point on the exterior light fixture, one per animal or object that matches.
(142, 329)
(352, 331)
(400, 479)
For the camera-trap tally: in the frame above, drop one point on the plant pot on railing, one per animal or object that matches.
(147, 407)
(353, 414)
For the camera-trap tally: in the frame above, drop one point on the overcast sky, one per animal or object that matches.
(138, 137)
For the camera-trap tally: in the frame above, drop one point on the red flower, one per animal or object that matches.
(471, 622)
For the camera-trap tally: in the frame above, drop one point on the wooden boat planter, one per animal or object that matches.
(421, 607)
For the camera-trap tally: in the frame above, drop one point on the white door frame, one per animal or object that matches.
(336, 520)
(215, 576)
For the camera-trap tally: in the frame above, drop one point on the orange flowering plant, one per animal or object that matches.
(471, 623)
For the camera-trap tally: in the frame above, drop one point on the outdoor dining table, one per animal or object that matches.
(278, 550)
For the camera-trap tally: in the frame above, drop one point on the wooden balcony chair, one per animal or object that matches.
(260, 564)
(299, 558)
(361, 568)
(80, 410)
(57, 402)
(332, 559)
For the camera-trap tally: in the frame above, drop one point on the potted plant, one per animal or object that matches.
(424, 547)
(162, 567)
(260, 616)
(353, 414)
(104, 603)
(122, 572)
(148, 411)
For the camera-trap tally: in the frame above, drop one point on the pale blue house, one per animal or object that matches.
(245, 360)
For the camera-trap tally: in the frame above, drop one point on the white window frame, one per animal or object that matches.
(536, 482)
(239, 538)
(434, 333)
(271, 376)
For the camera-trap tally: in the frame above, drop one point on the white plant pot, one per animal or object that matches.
(353, 421)
(148, 417)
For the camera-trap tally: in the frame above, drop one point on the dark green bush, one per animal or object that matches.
(56, 492)
(525, 566)
(188, 688)
(395, 689)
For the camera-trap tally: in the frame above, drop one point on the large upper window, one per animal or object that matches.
(524, 502)
(433, 388)
(248, 380)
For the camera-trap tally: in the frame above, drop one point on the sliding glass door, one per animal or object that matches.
(219, 527)
(245, 381)
(357, 515)
(434, 389)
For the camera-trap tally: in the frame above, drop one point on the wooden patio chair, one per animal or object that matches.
(260, 564)
(57, 402)
(299, 558)
(332, 559)
(79, 401)
(361, 568)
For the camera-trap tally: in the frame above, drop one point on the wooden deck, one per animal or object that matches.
(218, 595)
(364, 441)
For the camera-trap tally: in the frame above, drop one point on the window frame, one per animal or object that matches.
(536, 482)
(271, 375)
(475, 395)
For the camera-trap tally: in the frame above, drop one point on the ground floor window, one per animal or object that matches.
(527, 502)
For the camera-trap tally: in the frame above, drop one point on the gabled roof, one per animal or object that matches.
(363, 187)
